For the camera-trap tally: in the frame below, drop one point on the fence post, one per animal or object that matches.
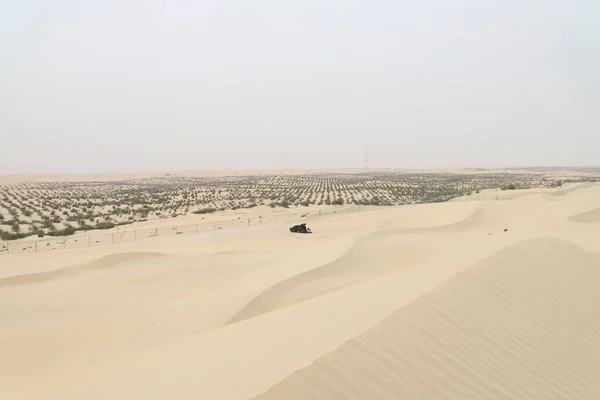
(156, 232)
(36, 246)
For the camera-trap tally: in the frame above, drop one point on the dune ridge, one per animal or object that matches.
(100, 263)
(366, 259)
(587, 217)
(516, 325)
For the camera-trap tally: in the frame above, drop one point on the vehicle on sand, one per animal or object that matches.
(301, 228)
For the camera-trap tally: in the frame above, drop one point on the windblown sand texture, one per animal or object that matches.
(462, 300)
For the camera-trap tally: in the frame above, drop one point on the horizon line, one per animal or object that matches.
(371, 168)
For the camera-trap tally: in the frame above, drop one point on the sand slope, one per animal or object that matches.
(587, 217)
(101, 263)
(369, 257)
(419, 302)
(521, 324)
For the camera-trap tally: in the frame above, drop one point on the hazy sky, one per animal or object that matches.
(137, 85)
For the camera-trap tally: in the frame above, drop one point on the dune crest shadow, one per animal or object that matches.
(369, 257)
(588, 217)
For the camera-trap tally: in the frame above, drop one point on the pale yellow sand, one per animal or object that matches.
(511, 327)
(418, 302)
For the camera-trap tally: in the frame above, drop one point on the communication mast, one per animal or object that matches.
(366, 157)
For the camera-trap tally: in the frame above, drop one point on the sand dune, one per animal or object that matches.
(518, 325)
(496, 216)
(367, 258)
(587, 217)
(101, 263)
(432, 301)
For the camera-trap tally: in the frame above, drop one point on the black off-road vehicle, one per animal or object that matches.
(301, 228)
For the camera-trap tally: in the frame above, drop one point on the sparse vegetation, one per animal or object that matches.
(63, 208)
(209, 210)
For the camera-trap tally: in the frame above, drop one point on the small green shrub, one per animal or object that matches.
(68, 231)
(208, 210)
(15, 226)
(13, 236)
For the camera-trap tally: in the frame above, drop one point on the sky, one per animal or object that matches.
(139, 85)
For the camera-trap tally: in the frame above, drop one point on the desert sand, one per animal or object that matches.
(472, 299)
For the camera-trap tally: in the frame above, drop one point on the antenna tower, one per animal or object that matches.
(366, 157)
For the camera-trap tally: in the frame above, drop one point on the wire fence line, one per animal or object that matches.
(97, 239)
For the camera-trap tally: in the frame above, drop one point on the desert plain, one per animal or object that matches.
(463, 292)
